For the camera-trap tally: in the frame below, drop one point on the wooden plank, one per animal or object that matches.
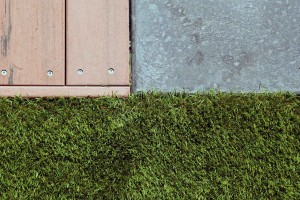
(97, 40)
(32, 42)
(63, 91)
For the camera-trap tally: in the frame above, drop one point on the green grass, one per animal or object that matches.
(151, 146)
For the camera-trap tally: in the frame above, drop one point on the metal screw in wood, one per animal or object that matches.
(111, 71)
(50, 73)
(3, 72)
(80, 72)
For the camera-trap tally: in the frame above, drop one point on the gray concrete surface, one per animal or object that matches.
(230, 45)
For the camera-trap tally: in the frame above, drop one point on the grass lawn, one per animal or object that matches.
(151, 146)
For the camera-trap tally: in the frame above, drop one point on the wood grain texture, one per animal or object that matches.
(97, 40)
(32, 42)
(62, 91)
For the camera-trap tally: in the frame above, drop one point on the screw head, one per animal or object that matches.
(50, 73)
(4, 72)
(111, 71)
(80, 72)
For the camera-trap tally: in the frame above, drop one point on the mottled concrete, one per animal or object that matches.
(237, 45)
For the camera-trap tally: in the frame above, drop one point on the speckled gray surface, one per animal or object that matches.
(231, 45)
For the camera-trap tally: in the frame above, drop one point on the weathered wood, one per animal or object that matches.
(32, 42)
(97, 40)
(63, 91)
